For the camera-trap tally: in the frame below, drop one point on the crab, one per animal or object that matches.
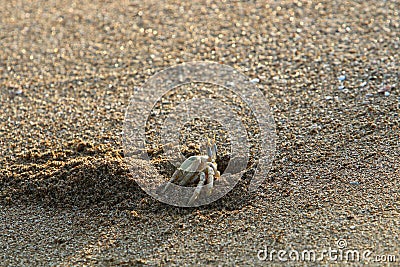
(198, 169)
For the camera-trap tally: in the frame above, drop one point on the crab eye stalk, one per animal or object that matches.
(209, 152)
(214, 148)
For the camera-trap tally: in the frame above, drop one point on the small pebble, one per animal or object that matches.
(354, 183)
(384, 88)
(363, 84)
(341, 87)
(342, 78)
(315, 128)
(352, 227)
(255, 80)
(387, 93)
(328, 97)
(134, 213)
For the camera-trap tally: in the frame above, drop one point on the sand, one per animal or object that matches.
(329, 70)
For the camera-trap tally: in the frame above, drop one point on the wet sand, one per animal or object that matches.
(330, 71)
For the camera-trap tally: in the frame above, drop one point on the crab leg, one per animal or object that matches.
(194, 178)
(210, 180)
(198, 188)
(187, 178)
(174, 177)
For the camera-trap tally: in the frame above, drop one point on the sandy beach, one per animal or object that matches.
(328, 69)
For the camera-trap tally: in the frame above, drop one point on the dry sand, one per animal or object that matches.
(67, 72)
